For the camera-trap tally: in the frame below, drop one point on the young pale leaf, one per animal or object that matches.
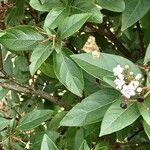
(102, 66)
(117, 118)
(91, 109)
(48, 144)
(84, 146)
(147, 55)
(21, 38)
(3, 123)
(134, 11)
(39, 55)
(72, 24)
(145, 112)
(55, 17)
(146, 129)
(68, 73)
(112, 5)
(34, 119)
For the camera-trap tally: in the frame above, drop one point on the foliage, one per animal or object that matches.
(65, 69)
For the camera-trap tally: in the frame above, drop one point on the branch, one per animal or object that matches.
(12, 85)
(141, 42)
(107, 33)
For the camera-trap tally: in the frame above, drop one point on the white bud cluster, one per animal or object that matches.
(127, 87)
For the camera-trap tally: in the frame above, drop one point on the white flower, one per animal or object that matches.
(126, 66)
(119, 83)
(139, 89)
(121, 76)
(138, 76)
(128, 90)
(135, 84)
(131, 73)
(117, 70)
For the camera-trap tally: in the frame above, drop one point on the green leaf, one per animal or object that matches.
(48, 144)
(147, 55)
(39, 55)
(145, 110)
(110, 80)
(87, 6)
(134, 11)
(55, 17)
(3, 92)
(91, 109)
(146, 129)
(84, 146)
(117, 118)
(72, 24)
(47, 67)
(102, 66)
(45, 5)
(21, 38)
(34, 119)
(3, 123)
(68, 73)
(112, 5)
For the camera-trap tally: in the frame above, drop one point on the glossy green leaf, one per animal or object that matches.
(147, 55)
(87, 6)
(3, 123)
(68, 73)
(55, 17)
(48, 144)
(84, 146)
(112, 5)
(110, 80)
(34, 119)
(134, 11)
(45, 5)
(72, 24)
(3, 92)
(39, 55)
(145, 110)
(91, 109)
(102, 66)
(21, 38)
(146, 129)
(117, 118)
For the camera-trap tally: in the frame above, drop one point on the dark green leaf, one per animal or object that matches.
(39, 55)
(55, 17)
(68, 73)
(147, 55)
(117, 118)
(21, 38)
(45, 5)
(3, 123)
(84, 146)
(146, 129)
(145, 110)
(112, 5)
(134, 11)
(102, 66)
(72, 24)
(48, 144)
(34, 119)
(91, 109)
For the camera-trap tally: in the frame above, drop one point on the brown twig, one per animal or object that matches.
(11, 85)
(108, 34)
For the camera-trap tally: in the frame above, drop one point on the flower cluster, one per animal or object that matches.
(128, 83)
